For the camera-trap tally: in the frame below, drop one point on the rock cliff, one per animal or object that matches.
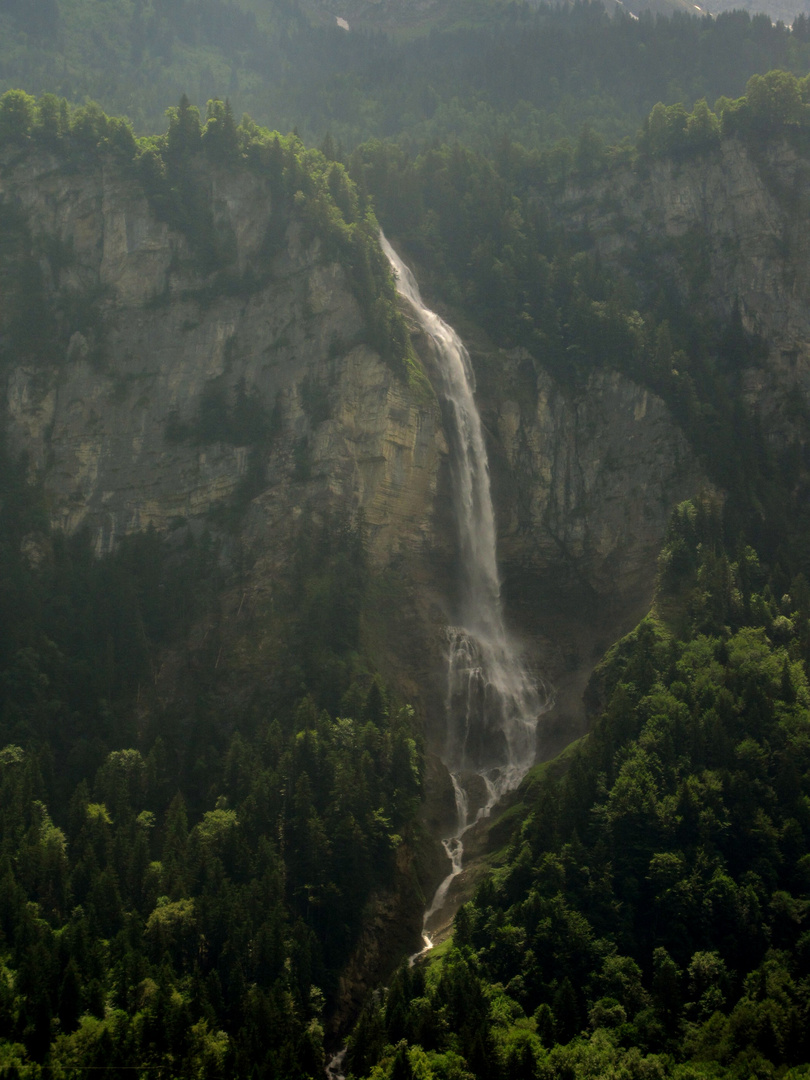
(112, 425)
(585, 482)
(720, 229)
(147, 348)
(119, 415)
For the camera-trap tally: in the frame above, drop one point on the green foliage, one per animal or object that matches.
(774, 104)
(177, 883)
(49, 121)
(672, 131)
(16, 115)
(772, 101)
(220, 138)
(650, 919)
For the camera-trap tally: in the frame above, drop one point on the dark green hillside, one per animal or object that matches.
(652, 916)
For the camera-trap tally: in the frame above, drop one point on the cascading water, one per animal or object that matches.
(492, 701)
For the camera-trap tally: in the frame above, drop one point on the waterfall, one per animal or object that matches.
(492, 701)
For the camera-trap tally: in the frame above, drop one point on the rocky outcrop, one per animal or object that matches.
(723, 228)
(584, 482)
(590, 479)
(114, 425)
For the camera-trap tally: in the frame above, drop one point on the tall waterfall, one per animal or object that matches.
(492, 701)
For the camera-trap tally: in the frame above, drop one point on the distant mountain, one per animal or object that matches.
(402, 17)
(785, 11)
(486, 72)
(406, 18)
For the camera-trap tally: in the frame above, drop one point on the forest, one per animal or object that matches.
(648, 919)
(497, 72)
(184, 879)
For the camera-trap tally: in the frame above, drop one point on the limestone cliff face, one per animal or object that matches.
(583, 482)
(110, 425)
(721, 228)
(591, 478)
(587, 482)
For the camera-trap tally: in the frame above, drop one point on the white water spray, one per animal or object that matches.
(492, 701)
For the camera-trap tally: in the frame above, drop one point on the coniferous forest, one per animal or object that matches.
(199, 824)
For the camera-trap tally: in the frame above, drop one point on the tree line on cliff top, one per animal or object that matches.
(302, 184)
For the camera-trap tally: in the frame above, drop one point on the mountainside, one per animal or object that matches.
(129, 423)
(231, 562)
(176, 396)
(169, 391)
(740, 208)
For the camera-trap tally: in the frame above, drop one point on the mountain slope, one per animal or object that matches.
(199, 333)
(650, 917)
